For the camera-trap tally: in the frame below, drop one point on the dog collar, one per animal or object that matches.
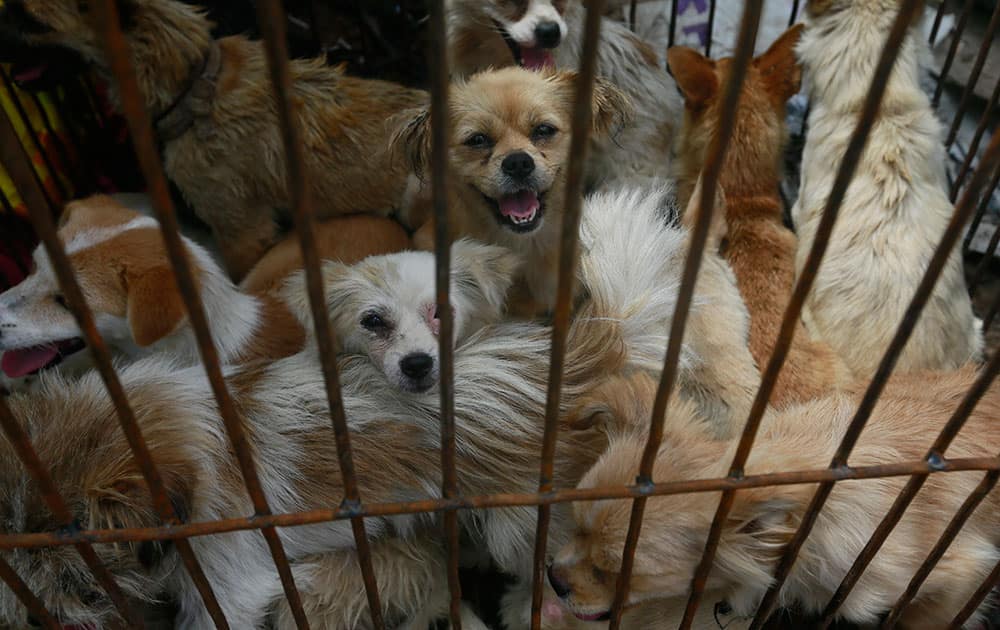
(195, 100)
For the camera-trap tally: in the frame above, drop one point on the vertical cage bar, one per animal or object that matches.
(709, 182)
(948, 240)
(794, 15)
(673, 22)
(937, 22)
(631, 14)
(977, 68)
(711, 28)
(984, 203)
(271, 20)
(26, 597)
(119, 58)
(17, 164)
(442, 253)
(952, 49)
(970, 155)
(581, 124)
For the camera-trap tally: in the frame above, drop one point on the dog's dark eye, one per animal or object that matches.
(61, 301)
(373, 321)
(478, 141)
(543, 131)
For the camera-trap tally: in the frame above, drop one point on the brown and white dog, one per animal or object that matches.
(122, 266)
(908, 417)
(896, 208)
(509, 149)
(217, 118)
(549, 33)
(757, 245)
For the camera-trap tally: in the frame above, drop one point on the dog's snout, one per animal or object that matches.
(416, 365)
(560, 586)
(518, 165)
(548, 34)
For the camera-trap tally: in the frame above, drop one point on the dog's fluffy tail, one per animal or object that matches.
(632, 254)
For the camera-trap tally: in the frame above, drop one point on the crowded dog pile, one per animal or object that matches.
(654, 114)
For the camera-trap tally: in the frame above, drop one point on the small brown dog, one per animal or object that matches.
(908, 417)
(510, 137)
(760, 249)
(217, 118)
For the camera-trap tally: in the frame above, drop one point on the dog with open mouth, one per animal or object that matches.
(546, 34)
(509, 147)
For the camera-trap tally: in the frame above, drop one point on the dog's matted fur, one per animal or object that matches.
(896, 207)
(908, 417)
(759, 247)
(477, 30)
(228, 161)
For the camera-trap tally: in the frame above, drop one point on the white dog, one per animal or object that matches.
(895, 209)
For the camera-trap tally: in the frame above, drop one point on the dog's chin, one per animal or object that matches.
(522, 223)
(418, 386)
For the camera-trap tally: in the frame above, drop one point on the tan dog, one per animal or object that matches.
(509, 148)
(345, 239)
(122, 266)
(895, 209)
(760, 249)
(216, 115)
(908, 417)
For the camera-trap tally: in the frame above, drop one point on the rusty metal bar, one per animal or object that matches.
(710, 27)
(912, 487)
(581, 124)
(991, 582)
(984, 203)
(673, 22)
(440, 129)
(17, 163)
(26, 597)
(950, 58)
(57, 505)
(795, 13)
(710, 179)
(874, 389)
(937, 22)
(116, 49)
(313, 517)
(984, 121)
(977, 68)
(271, 20)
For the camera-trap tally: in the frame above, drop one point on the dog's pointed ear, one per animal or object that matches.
(411, 140)
(154, 306)
(779, 67)
(484, 271)
(694, 73)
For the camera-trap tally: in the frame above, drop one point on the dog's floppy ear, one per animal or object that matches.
(484, 271)
(612, 109)
(154, 307)
(336, 279)
(779, 68)
(411, 140)
(763, 517)
(694, 74)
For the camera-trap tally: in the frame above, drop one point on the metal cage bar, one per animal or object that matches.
(948, 240)
(794, 15)
(706, 204)
(938, 16)
(984, 263)
(710, 28)
(118, 56)
(34, 605)
(956, 39)
(271, 20)
(581, 124)
(17, 164)
(991, 582)
(970, 155)
(673, 22)
(980, 213)
(977, 69)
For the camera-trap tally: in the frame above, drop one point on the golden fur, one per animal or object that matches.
(760, 249)
(230, 165)
(908, 417)
(507, 106)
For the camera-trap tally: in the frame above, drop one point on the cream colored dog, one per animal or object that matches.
(895, 209)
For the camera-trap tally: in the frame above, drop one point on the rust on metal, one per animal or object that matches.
(116, 49)
(581, 124)
(271, 19)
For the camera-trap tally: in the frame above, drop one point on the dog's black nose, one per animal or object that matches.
(416, 365)
(561, 588)
(518, 165)
(547, 34)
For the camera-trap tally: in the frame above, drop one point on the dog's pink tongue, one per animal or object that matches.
(537, 58)
(519, 205)
(17, 363)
